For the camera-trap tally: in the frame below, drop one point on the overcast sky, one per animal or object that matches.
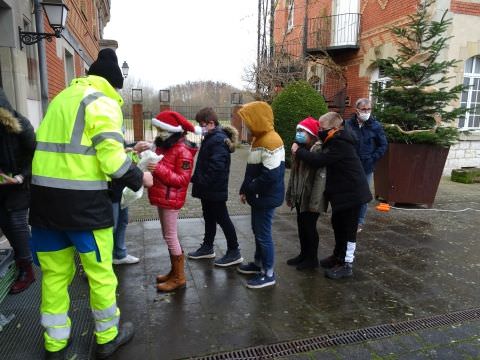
(171, 42)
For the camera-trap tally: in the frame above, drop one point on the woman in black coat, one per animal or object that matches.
(17, 144)
(210, 185)
(346, 189)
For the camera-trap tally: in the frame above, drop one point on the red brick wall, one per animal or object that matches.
(82, 24)
(462, 7)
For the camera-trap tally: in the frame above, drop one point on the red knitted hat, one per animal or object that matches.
(172, 121)
(310, 125)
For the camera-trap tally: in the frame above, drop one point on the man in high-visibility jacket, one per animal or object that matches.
(79, 150)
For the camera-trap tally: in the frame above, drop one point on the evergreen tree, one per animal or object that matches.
(417, 99)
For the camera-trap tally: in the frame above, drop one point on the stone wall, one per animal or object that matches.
(465, 153)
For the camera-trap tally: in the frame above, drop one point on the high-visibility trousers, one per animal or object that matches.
(53, 251)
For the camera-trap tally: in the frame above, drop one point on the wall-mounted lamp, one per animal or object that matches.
(164, 96)
(137, 96)
(56, 12)
(236, 98)
(125, 69)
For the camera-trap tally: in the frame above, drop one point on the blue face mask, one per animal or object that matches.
(301, 137)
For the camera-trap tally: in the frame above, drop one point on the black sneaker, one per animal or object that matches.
(307, 264)
(340, 271)
(203, 252)
(232, 257)
(125, 334)
(249, 268)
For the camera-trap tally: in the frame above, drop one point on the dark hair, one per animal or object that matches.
(206, 115)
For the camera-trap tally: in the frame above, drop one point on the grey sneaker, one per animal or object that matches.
(232, 257)
(127, 260)
(340, 271)
(125, 334)
(203, 252)
(249, 268)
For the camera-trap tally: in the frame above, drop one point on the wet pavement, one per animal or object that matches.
(410, 264)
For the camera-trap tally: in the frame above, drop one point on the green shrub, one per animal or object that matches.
(296, 102)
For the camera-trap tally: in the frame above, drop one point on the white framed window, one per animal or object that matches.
(69, 67)
(379, 81)
(290, 12)
(470, 98)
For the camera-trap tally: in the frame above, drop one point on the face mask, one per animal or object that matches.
(322, 134)
(163, 135)
(301, 137)
(364, 116)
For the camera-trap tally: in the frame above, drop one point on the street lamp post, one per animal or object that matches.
(125, 69)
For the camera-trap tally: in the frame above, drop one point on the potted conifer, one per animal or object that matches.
(415, 109)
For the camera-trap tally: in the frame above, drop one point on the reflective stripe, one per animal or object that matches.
(54, 319)
(69, 184)
(59, 333)
(123, 169)
(107, 135)
(105, 313)
(79, 125)
(105, 325)
(65, 148)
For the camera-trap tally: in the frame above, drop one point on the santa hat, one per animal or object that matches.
(174, 122)
(310, 125)
(107, 67)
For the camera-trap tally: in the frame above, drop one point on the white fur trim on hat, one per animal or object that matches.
(165, 126)
(306, 129)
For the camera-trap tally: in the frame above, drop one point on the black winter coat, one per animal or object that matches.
(210, 178)
(346, 185)
(17, 144)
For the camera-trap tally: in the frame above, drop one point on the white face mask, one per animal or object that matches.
(364, 116)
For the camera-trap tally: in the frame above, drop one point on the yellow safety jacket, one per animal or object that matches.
(79, 150)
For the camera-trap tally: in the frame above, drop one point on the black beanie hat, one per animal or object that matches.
(107, 67)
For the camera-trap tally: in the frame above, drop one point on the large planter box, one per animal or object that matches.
(410, 173)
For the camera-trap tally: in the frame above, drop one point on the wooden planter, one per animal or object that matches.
(410, 173)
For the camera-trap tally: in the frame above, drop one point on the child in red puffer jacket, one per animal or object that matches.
(171, 177)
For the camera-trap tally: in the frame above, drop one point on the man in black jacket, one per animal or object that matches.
(346, 189)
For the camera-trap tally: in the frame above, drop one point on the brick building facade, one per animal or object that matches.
(354, 33)
(65, 58)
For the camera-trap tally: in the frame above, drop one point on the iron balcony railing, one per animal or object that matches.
(334, 32)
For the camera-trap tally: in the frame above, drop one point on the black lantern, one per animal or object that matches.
(56, 12)
(125, 69)
(164, 96)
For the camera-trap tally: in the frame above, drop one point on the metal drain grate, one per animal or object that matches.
(349, 337)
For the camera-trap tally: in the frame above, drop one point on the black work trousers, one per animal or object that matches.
(344, 223)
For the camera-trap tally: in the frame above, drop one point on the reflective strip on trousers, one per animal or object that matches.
(350, 253)
(54, 320)
(58, 333)
(107, 313)
(105, 325)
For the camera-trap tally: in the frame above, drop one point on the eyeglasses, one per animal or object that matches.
(364, 110)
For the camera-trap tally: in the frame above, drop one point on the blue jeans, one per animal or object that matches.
(262, 230)
(363, 208)
(120, 222)
(15, 227)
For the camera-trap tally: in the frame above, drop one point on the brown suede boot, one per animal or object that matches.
(164, 278)
(25, 277)
(177, 279)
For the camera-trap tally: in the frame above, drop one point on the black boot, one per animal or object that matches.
(308, 263)
(340, 271)
(330, 262)
(56, 355)
(296, 260)
(125, 334)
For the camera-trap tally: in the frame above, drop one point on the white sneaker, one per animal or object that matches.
(129, 259)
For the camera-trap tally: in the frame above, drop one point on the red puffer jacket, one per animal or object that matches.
(172, 175)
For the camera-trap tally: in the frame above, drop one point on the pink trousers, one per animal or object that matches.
(168, 220)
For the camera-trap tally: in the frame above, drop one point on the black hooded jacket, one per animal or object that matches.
(17, 144)
(346, 185)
